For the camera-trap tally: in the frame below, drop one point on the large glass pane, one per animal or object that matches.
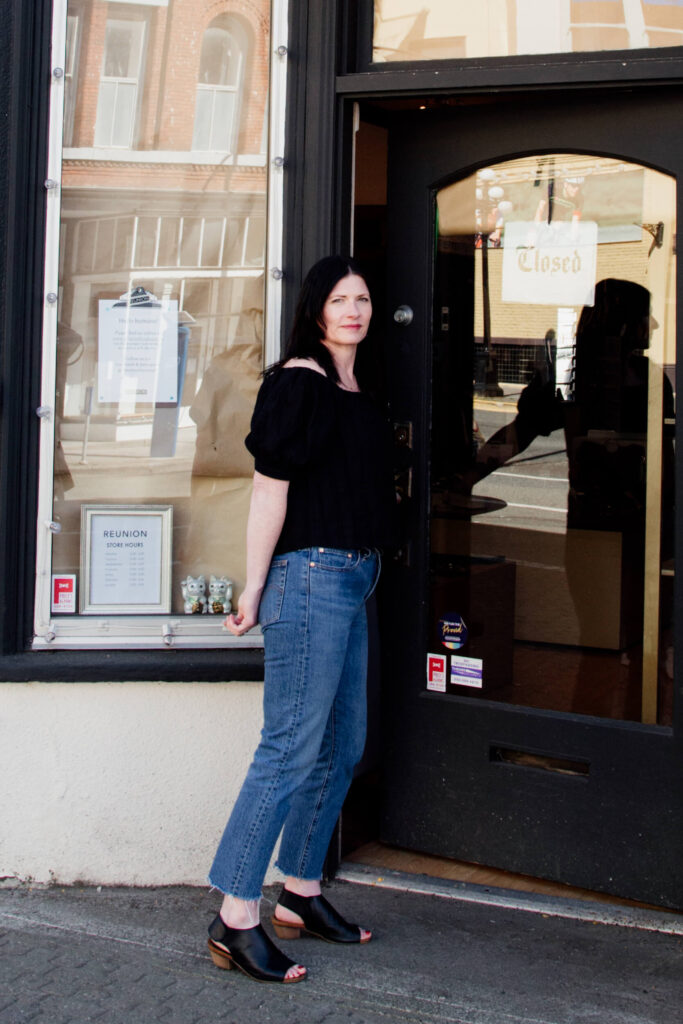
(552, 442)
(441, 29)
(161, 302)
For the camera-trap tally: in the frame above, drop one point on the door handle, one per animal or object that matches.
(403, 316)
(403, 475)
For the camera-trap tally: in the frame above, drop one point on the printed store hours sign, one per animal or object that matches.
(137, 359)
(550, 264)
(125, 559)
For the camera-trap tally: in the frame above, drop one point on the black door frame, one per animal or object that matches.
(652, 789)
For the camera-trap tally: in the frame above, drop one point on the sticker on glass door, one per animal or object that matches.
(436, 672)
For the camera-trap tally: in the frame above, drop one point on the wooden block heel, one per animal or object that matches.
(284, 930)
(251, 951)
(318, 918)
(220, 957)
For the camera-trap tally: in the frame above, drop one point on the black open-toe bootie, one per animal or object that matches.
(251, 950)
(319, 919)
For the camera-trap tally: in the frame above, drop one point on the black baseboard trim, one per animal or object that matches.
(133, 666)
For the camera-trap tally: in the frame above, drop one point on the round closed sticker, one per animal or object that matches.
(453, 631)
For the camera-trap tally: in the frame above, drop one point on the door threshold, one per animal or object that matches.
(386, 867)
(633, 916)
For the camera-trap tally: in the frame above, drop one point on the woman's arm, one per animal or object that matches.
(266, 517)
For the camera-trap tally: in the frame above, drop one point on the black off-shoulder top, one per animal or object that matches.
(335, 448)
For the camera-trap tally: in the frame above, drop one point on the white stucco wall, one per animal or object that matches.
(114, 783)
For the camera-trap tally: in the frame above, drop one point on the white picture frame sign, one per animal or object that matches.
(126, 559)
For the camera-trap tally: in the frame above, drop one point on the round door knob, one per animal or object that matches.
(403, 316)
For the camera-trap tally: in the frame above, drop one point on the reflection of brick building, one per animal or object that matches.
(127, 47)
(164, 172)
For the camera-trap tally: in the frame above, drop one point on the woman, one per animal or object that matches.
(322, 505)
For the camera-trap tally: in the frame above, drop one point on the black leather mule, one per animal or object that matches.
(319, 919)
(251, 950)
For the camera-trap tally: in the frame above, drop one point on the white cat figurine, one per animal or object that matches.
(194, 595)
(220, 595)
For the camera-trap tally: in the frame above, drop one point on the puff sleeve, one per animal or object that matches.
(292, 422)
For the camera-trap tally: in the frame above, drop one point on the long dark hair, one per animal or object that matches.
(307, 333)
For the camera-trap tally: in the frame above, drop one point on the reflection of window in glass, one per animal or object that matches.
(169, 233)
(104, 244)
(626, 25)
(218, 89)
(254, 253)
(146, 235)
(117, 102)
(70, 75)
(440, 29)
(122, 248)
(212, 239)
(234, 242)
(190, 242)
(181, 242)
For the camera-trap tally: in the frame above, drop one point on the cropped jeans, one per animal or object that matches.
(314, 623)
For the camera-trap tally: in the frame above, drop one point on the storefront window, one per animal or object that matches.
(160, 324)
(441, 29)
(552, 506)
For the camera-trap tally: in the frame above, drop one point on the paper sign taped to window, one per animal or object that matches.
(137, 356)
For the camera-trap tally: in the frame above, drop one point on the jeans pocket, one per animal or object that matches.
(334, 559)
(270, 608)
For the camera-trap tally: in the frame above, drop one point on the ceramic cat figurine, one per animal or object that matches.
(220, 595)
(194, 595)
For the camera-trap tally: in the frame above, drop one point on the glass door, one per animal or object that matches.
(552, 486)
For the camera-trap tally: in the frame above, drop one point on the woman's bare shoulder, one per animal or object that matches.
(304, 364)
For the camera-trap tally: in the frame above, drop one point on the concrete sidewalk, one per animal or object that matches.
(133, 956)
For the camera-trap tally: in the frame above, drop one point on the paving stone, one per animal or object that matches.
(76, 956)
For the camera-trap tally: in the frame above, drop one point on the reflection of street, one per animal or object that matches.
(109, 463)
(533, 484)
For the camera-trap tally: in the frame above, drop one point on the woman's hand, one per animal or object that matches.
(246, 616)
(266, 516)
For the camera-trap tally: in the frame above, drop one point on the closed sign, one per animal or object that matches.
(550, 264)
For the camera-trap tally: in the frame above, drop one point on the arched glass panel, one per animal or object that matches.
(552, 445)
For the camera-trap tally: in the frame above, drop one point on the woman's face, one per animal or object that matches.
(347, 312)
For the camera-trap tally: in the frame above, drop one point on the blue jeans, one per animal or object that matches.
(314, 625)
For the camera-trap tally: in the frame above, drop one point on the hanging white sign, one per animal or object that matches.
(550, 264)
(137, 352)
